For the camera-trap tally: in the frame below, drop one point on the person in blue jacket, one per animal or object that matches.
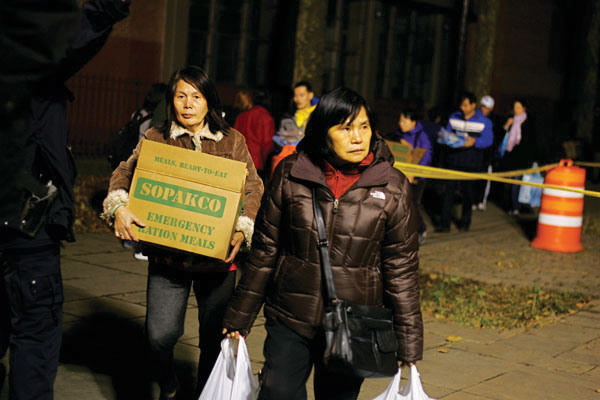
(412, 132)
(470, 123)
(31, 291)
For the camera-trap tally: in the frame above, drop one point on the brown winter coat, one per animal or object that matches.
(230, 145)
(372, 233)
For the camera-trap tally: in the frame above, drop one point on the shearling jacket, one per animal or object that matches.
(230, 144)
(372, 234)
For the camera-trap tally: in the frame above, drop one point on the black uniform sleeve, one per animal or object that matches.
(97, 20)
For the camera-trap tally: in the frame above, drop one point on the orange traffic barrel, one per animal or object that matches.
(561, 212)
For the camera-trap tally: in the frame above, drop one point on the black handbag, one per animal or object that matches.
(360, 339)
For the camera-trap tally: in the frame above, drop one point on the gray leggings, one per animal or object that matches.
(167, 298)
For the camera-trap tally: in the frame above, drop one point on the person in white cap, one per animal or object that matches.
(482, 191)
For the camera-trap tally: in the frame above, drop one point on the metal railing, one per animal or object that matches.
(101, 107)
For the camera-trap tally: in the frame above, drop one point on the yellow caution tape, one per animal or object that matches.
(587, 164)
(442, 173)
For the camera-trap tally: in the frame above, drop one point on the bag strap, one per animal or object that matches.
(323, 247)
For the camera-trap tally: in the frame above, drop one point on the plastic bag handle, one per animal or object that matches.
(565, 162)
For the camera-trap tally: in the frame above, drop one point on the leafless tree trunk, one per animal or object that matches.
(588, 85)
(310, 43)
(479, 80)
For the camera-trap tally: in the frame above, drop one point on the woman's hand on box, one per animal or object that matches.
(236, 243)
(124, 218)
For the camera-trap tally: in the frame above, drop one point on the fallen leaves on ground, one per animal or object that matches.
(497, 306)
(453, 339)
(90, 191)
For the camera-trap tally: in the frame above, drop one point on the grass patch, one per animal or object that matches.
(495, 306)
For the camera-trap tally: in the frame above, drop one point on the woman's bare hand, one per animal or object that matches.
(232, 335)
(124, 219)
(236, 243)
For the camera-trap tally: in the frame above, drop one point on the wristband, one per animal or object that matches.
(112, 211)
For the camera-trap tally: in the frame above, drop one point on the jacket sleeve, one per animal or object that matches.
(425, 144)
(253, 191)
(400, 261)
(486, 138)
(97, 20)
(120, 181)
(250, 292)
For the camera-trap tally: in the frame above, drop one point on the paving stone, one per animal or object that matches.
(129, 265)
(464, 396)
(93, 243)
(541, 344)
(583, 318)
(69, 318)
(433, 340)
(255, 343)
(120, 308)
(565, 336)
(134, 297)
(523, 354)
(107, 258)
(588, 353)
(458, 369)
(533, 383)
(78, 382)
(74, 269)
(594, 373)
(373, 387)
(103, 286)
(479, 335)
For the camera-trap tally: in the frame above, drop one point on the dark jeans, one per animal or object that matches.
(31, 298)
(289, 358)
(167, 299)
(466, 187)
(418, 189)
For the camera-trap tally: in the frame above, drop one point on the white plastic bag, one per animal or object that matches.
(529, 194)
(231, 377)
(411, 391)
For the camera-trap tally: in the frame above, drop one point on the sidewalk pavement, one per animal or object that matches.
(104, 310)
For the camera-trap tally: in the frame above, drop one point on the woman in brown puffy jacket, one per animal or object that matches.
(194, 122)
(372, 232)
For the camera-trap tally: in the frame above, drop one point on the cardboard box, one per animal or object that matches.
(403, 152)
(188, 200)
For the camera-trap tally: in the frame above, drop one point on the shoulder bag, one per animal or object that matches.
(360, 339)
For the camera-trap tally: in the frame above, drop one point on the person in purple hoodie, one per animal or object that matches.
(411, 131)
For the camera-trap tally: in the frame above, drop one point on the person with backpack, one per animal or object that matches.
(291, 130)
(129, 135)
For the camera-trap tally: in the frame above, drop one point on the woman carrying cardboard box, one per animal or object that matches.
(194, 122)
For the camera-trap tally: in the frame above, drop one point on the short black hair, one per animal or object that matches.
(196, 77)
(304, 83)
(410, 112)
(154, 96)
(335, 107)
(467, 95)
(520, 100)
